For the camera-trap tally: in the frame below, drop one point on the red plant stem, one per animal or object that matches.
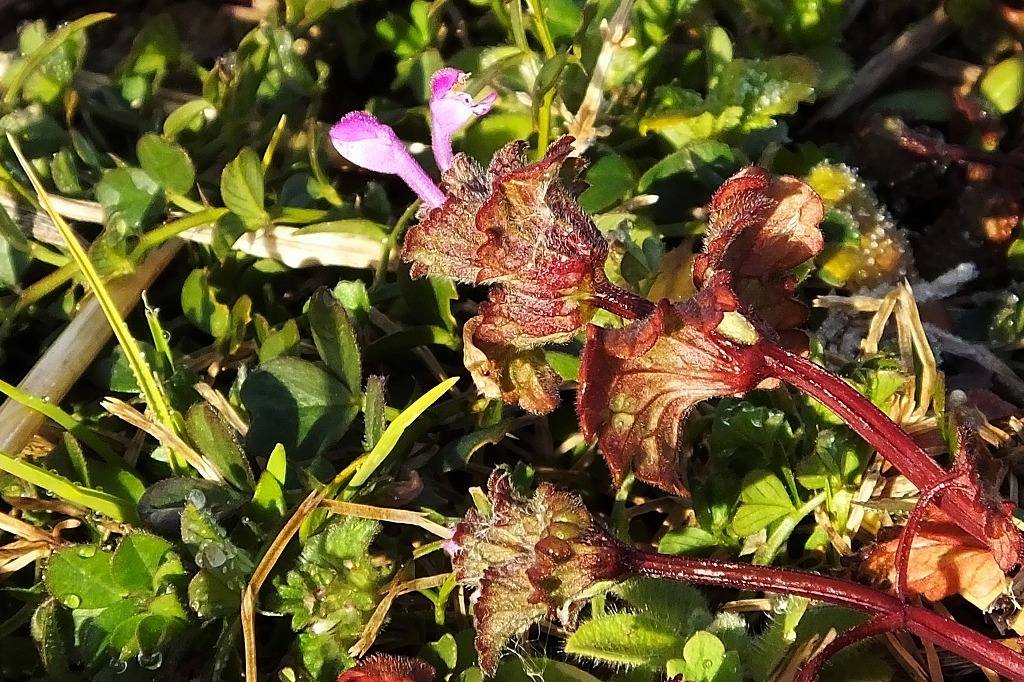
(944, 632)
(876, 626)
(871, 424)
(623, 303)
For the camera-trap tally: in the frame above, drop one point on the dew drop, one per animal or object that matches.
(119, 666)
(213, 556)
(86, 551)
(150, 661)
(321, 626)
(72, 601)
(197, 498)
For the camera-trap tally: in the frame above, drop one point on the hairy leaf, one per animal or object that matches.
(388, 668)
(528, 558)
(638, 383)
(759, 228)
(517, 227)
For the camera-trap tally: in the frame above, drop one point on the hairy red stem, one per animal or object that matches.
(871, 424)
(944, 632)
(623, 303)
(876, 626)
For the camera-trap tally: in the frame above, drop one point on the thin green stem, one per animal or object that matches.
(46, 285)
(65, 421)
(45, 254)
(540, 27)
(159, 235)
(392, 242)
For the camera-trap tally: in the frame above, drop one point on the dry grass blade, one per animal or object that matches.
(225, 409)
(919, 37)
(403, 516)
(167, 438)
(396, 589)
(23, 530)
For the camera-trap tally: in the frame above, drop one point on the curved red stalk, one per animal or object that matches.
(878, 625)
(944, 632)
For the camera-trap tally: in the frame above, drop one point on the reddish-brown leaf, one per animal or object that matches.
(759, 228)
(944, 560)
(518, 227)
(638, 383)
(388, 668)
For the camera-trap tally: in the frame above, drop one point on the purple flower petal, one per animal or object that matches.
(450, 109)
(368, 143)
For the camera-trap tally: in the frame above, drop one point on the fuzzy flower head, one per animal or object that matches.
(529, 559)
(450, 109)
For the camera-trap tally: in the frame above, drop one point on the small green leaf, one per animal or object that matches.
(190, 116)
(1003, 85)
(681, 606)
(216, 441)
(143, 563)
(764, 500)
(200, 305)
(688, 541)
(131, 200)
(705, 660)
(626, 639)
(268, 504)
(241, 188)
(79, 577)
(214, 552)
(210, 598)
(611, 179)
(51, 630)
(335, 338)
(373, 412)
(167, 163)
(298, 404)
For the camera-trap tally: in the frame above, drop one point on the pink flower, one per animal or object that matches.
(367, 142)
(450, 109)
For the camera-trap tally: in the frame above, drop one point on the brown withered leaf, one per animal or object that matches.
(388, 668)
(759, 228)
(944, 560)
(639, 382)
(506, 373)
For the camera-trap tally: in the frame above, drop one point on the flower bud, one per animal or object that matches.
(528, 560)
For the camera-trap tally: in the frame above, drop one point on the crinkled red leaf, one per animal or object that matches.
(638, 383)
(515, 225)
(388, 668)
(515, 376)
(759, 228)
(445, 241)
